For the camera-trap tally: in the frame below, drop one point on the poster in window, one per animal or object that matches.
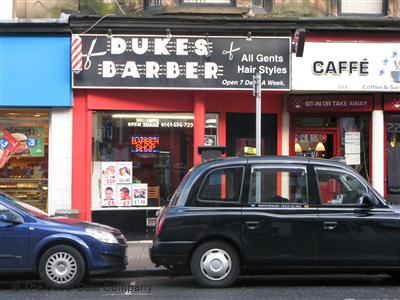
(30, 141)
(210, 140)
(108, 195)
(124, 172)
(108, 172)
(124, 195)
(8, 145)
(139, 194)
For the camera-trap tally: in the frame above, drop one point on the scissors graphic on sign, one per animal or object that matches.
(88, 62)
(230, 51)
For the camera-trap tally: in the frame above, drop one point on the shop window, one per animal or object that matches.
(222, 185)
(211, 130)
(393, 157)
(272, 185)
(363, 7)
(24, 155)
(139, 158)
(328, 137)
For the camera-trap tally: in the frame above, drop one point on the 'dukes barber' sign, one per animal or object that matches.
(183, 62)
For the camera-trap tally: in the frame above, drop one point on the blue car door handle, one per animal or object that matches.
(329, 225)
(252, 224)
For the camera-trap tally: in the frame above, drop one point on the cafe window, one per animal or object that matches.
(347, 137)
(139, 158)
(393, 157)
(24, 155)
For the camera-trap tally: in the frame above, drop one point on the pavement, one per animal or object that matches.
(139, 263)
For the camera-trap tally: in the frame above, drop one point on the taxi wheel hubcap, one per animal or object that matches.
(215, 264)
(61, 267)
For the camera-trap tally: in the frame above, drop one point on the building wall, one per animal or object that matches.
(30, 9)
(60, 159)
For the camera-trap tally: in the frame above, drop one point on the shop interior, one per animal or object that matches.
(24, 155)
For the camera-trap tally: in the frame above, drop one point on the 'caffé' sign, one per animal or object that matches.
(183, 62)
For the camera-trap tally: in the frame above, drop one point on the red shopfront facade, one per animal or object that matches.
(234, 128)
(144, 104)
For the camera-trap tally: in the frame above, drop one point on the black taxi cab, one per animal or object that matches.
(239, 215)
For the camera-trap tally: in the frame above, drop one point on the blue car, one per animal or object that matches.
(61, 250)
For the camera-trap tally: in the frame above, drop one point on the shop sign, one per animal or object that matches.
(145, 144)
(183, 62)
(329, 103)
(347, 67)
(352, 148)
(392, 102)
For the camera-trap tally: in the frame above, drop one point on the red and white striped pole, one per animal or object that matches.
(76, 53)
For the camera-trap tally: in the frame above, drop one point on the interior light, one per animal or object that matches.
(297, 148)
(320, 147)
(393, 141)
(150, 116)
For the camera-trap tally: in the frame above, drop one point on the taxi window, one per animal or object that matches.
(222, 185)
(272, 185)
(339, 188)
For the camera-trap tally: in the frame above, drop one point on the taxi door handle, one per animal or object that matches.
(252, 224)
(329, 225)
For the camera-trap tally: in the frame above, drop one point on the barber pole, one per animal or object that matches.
(76, 53)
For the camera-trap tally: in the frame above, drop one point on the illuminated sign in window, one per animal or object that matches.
(145, 144)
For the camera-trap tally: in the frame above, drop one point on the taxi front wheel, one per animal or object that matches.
(215, 264)
(61, 267)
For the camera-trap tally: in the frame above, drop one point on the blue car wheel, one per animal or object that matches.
(61, 267)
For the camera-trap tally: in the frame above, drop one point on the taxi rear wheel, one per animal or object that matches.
(61, 267)
(215, 264)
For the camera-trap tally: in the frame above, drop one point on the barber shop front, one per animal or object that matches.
(139, 118)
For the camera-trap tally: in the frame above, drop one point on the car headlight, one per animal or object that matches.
(101, 235)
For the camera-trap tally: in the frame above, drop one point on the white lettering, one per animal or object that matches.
(210, 70)
(109, 69)
(142, 49)
(160, 46)
(181, 46)
(130, 69)
(201, 47)
(191, 70)
(172, 69)
(152, 69)
(118, 45)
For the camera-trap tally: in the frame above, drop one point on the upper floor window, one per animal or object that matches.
(363, 7)
(152, 3)
(208, 2)
(263, 4)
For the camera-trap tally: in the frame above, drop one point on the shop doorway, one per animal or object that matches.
(316, 143)
(241, 131)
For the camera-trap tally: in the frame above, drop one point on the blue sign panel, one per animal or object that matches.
(35, 71)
